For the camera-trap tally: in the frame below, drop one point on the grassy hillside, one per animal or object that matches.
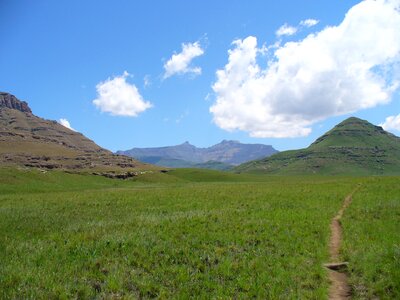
(353, 147)
(213, 165)
(179, 163)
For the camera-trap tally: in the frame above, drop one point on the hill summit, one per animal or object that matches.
(354, 146)
(28, 140)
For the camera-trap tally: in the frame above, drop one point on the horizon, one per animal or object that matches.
(67, 125)
(198, 147)
(240, 142)
(158, 75)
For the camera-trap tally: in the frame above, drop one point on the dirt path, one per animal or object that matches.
(340, 288)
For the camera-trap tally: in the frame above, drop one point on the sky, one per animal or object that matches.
(156, 73)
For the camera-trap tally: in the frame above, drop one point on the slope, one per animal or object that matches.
(353, 147)
(30, 141)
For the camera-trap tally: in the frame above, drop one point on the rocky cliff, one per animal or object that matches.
(30, 141)
(10, 101)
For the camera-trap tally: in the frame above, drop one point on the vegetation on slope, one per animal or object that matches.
(353, 147)
(179, 163)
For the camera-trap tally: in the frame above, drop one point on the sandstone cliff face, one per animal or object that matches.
(30, 141)
(10, 101)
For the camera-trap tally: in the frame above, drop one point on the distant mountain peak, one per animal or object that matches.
(186, 145)
(227, 152)
(230, 142)
(10, 101)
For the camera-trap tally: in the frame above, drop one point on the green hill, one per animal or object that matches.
(353, 147)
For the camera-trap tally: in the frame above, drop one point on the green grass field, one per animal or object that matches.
(372, 239)
(190, 234)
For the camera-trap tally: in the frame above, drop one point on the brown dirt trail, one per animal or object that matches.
(340, 288)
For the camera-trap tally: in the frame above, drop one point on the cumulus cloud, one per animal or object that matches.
(339, 70)
(285, 29)
(120, 98)
(309, 22)
(392, 123)
(179, 63)
(65, 123)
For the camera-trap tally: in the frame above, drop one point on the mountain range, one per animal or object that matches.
(220, 156)
(353, 147)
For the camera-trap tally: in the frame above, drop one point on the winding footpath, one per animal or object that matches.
(340, 288)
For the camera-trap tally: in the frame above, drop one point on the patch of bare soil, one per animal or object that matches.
(340, 288)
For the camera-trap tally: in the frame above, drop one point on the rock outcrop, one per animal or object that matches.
(30, 141)
(10, 101)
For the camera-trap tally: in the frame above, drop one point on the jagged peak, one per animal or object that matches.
(10, 101)
(186, 144)
(229, 142)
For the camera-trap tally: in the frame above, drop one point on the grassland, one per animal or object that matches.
(372, 240)
(187, 233)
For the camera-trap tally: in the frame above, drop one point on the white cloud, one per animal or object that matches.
(180, 63)
(65, 123)
(182, 116)
(309, 22)
(119, 98)
(285, 29)
(288, 30)
(147, 81)
(208, 97)
(392, 123)
(339, 70)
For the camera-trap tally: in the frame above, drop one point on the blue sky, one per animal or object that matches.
(108, 68)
